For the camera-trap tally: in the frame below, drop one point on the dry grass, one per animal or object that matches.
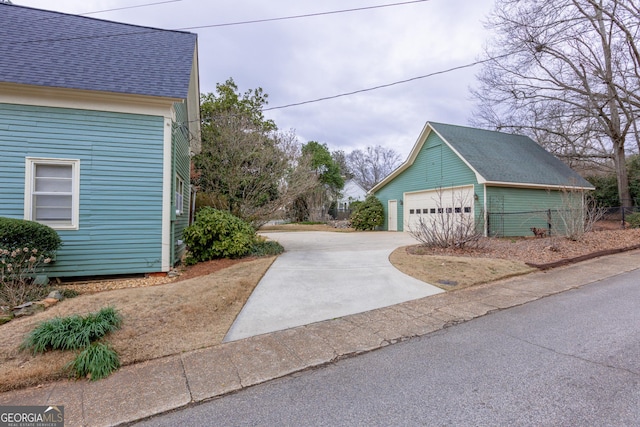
(500, 258)
(453, 272)
(162, 318)
(158, 321)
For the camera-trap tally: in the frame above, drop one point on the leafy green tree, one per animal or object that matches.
(324, 165)
(317, 200)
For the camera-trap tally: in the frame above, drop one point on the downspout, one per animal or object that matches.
(486, 213)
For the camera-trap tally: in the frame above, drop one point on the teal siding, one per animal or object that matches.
(513, 211)
(436, 166)
(121, 159)
(181, 165)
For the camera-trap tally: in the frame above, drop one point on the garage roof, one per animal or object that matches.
(498, 158)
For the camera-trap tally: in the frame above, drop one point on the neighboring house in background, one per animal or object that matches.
(351, 192)
(503, 182)
(98, 122)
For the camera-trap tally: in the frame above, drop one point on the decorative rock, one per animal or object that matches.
(56, 294)
(173, 273)
(29, 310)
(21, 306)
(48, 302)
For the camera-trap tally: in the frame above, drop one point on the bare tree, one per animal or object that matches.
(250, 172)
(450, 226)
(372, 165)
(577, 214)
(567, 73)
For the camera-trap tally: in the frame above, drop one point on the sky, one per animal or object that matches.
(299, 60)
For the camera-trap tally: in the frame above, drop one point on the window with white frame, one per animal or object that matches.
(52, 192)
(179, 196)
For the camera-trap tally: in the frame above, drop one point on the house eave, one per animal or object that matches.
(21, 94)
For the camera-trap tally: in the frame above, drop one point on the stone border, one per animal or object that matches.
(581, 258)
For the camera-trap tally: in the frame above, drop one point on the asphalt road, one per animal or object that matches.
(572, 359)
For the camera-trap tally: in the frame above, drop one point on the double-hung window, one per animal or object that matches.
(52, 192)
(179, 196)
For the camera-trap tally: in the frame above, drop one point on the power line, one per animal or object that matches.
(129, 7)
(150, 30)
(435, 73)
(307, 15)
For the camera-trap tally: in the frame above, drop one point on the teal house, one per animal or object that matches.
(506, 184)
(98, 122)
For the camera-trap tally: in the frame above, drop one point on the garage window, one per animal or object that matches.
(467, 209)
(418, 211)
(433, 210)
(411, 211)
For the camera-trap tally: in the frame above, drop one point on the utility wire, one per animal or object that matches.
(151, 30)
(307, 15)
(129, 7)
(435, 73)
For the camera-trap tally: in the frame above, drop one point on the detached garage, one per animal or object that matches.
(502, 183)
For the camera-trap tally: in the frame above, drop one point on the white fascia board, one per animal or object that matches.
(417, 146)
(11, 93)
(536, 186)
(414, 154)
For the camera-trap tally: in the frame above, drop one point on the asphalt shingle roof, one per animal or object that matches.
(503, 157)
(44, 48)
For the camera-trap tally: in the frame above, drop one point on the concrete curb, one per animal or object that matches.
(153, 387)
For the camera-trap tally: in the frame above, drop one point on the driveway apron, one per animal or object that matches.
(325, 275)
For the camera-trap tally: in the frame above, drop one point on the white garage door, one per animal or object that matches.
(437, 207)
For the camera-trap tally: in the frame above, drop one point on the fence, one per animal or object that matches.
(552, 221)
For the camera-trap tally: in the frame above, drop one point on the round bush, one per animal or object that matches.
(368, 215)
(20, 233)
(218, 234)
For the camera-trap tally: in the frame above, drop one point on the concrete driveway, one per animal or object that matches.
(324, 275)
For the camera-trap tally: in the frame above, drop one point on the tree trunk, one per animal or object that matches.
(622, 176)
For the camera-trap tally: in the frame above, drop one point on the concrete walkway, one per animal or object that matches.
(325, 275)
(145, 389)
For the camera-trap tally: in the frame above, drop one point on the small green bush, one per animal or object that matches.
(73, 332)
(69, 293)
(97, 361)
(368, 215)
(218, 234)
(266, 248)
(20, 233)
(634, 220)
(25, 247)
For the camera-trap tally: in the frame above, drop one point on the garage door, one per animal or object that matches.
(445, 206)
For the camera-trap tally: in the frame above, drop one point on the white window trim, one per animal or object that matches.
(179, 200)
(30, 163)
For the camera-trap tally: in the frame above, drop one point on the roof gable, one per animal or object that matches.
(51, 49)
(498, 158)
